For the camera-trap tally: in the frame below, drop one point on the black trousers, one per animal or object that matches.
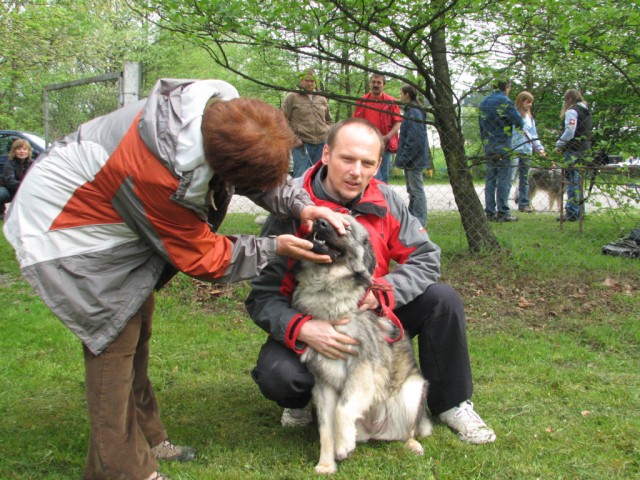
(438, 321)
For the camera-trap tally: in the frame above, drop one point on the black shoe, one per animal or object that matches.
(567, 219)
(491, 216)
(506, 218)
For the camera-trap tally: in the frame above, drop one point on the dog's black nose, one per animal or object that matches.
(321, 224)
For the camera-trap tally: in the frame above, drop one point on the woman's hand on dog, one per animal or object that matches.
(311, 213)
(299, 249)
(326, 340)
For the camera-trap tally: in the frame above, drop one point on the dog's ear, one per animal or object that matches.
(369, 257)
(364, 263)
(296, 268)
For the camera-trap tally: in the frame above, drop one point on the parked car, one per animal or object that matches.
(7, 138)
(629, 162)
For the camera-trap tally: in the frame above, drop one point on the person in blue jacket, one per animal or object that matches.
(498, 116)
(413, 151)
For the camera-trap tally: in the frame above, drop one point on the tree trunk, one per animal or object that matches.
(474, 221)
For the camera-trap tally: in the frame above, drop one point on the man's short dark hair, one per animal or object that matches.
(336, 127)
(503, 84)
(379, 75)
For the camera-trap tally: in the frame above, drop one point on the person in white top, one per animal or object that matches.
(524, 142)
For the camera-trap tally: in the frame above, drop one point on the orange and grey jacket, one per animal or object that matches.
(102, 213)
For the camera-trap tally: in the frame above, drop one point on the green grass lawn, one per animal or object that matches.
(555, 348)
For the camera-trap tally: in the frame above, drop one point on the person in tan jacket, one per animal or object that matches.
(309, 117)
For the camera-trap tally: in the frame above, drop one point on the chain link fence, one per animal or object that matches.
(611, 208)
(68, 107)
(610, 195)
(611, 192)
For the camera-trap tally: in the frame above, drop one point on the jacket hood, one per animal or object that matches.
(170, 125)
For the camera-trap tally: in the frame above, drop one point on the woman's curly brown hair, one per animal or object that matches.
(247, 143)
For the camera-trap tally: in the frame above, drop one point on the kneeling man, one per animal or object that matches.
(344, 181)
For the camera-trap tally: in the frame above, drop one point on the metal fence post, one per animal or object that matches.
(130, 85)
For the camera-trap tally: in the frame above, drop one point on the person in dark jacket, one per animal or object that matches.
(498, 116)
(413, 151)
(574, 143)
(14, 171)
(431, 311)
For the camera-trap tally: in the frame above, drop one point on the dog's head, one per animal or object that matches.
(353, 248)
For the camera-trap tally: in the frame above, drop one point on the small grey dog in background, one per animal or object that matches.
(378, 394)
(549, 181)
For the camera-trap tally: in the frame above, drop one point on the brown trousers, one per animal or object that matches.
(123, 413)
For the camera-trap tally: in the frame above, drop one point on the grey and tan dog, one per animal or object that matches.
(548, 181)
(378, 394)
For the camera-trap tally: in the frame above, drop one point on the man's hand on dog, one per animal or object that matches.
(369, 302)
(311, 213)
(326, 340)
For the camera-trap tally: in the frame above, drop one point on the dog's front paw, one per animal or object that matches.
(425, 427)
(344, 450)
(326, 468)
(415, 446)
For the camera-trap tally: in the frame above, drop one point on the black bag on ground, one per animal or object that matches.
(628, 246)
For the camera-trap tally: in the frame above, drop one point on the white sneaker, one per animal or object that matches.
(297, 417)
(468, 424)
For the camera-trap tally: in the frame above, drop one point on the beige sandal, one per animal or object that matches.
(157, 476)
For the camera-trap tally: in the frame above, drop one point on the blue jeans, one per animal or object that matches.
(305, 157)
(498, 185)
(523, 165)
(5, 197)
(417, 197)
(385, 167)
(572, 206)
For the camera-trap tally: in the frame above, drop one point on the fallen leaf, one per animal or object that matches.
(524, 303)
